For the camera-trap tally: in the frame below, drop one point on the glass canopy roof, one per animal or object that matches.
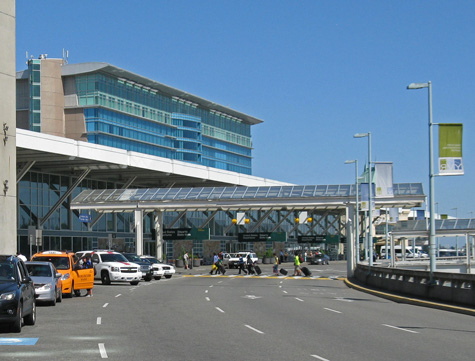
(231, 193)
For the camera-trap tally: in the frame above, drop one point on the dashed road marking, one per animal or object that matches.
(400, 328)
(99, 320)
(320, 358)
(254, 329)
(219, 309)
(118, 295)
(298, 299)
(102, 350)
(105, 305)
(329, 309)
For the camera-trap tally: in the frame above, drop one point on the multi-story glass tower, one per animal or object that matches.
(103, 104)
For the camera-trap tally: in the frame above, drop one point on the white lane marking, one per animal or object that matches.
(105, 305)
(281, 281)
(320, 358)
(118, 295)
(298, 299)
(399, 328)
(99, 320)
(284, 291)
(102, 350)
(280, 286)
(206, 291)
(207, 299)
(210, 286)
(251, 297)
(220, 310)
(329, 309)
(343, 299)
(254, 329)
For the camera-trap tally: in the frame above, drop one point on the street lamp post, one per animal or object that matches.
(357, 221)
(370, 196)
(431, 181)
(456, 237)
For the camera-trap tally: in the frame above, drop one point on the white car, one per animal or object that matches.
(160, 269)
(111, 266)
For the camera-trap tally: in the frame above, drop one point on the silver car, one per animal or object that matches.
(47, 281)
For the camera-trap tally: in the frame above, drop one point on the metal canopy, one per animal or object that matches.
(336, 197)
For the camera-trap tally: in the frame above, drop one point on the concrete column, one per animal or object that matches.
(138, 231)
(8, 199)
(350, 240)
(158, 221)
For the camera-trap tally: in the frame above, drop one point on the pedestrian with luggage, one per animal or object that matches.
(214, 267)
(250, 265)
(275, 269)
(297, 271)
(241, 265)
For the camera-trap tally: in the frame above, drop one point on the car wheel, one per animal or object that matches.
(168, 276)
(134, 283)
(105, 279)
(60, 296)
(16, 326)
(158, 278)
(31, 318)
(148, 278)
(53, 301)
(71, 294)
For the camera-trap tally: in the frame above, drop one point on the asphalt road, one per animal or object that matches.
(194, 316)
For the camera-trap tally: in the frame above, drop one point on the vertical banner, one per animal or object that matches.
(383, 178)
(450, 149)
(365, 197)
(393, 215)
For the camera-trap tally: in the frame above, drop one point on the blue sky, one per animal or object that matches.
(316, 72)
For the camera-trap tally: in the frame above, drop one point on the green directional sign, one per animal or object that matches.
(199, 234)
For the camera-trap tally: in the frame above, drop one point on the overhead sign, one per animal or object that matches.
(85, 218)
(173, 234)
(263, 237)
(311, 239)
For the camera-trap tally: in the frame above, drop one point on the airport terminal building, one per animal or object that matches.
(94, 127)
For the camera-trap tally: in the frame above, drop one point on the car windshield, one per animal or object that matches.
(39, 270)
(133, 258)
(151, 260)
(113, 257)
(7, 273)
(61, 263)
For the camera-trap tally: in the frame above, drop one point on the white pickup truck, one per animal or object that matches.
(110, 266)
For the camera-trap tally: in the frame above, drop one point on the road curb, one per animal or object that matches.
(411, 301)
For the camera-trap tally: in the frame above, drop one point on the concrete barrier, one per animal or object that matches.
(454, 288)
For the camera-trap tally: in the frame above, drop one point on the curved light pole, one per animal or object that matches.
(370, 196)
(431, 182)
(357, 222)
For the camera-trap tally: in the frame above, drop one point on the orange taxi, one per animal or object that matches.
(73, 277)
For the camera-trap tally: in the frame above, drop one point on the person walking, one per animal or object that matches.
(185, 260)
(250, 265)
(241, 265)
(276, 265)
(297, 271)
(214, 267)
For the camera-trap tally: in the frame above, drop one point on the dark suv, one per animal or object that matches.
(17, 294)
(145, 267)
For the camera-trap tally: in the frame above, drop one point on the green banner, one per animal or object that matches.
(450, 149)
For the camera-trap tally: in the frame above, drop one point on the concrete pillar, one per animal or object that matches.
(139, 231)
(350, 240)
(158, 221)
(8, 200)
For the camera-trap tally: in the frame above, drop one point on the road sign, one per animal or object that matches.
(85, 218)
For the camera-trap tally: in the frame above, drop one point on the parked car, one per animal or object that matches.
(320, 259)
(74, 279)
(145, 267)
(159, 268)
(17, 294)
(47, 281)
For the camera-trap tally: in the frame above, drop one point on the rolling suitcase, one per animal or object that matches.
(306, 271)
(258, 270)
(283, 271)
